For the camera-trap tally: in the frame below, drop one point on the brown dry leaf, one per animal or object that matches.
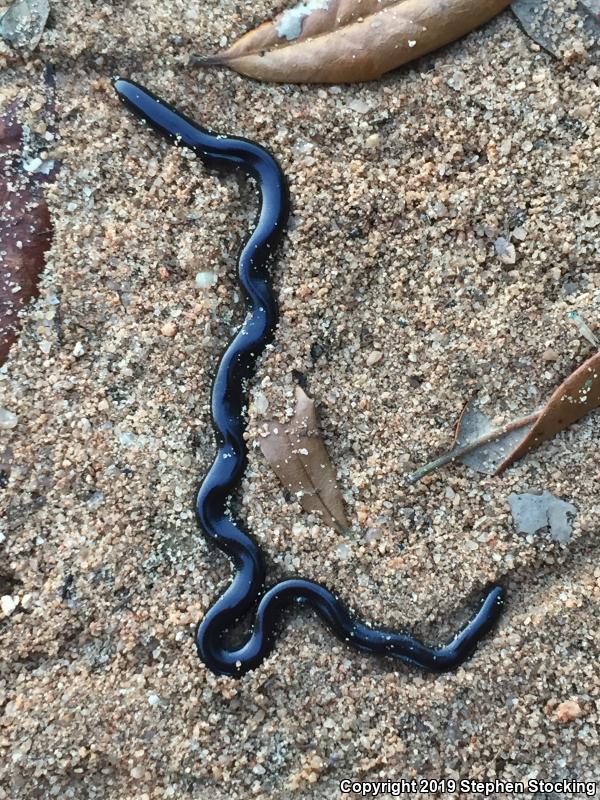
(298, 457)
(573, 399)
(25, 231)
(342, 41)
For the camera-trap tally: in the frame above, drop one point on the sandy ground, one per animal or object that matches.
(400, 189)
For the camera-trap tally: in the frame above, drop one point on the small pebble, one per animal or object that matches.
(456, 81)
(505, 250)
(33, 165)
(261, 403)
(360, 106)
(343, 551)
(439, 210)
(374, 357)
(550, 355)
(8, 420)
(8, 604)
(205, 280)
(584, 111)
(169, 329)
(568, 711)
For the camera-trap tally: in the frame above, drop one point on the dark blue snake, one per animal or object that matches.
(247, 593)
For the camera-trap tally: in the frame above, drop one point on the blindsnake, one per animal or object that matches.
(247, 593)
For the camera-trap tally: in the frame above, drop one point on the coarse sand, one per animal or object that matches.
(446, 217)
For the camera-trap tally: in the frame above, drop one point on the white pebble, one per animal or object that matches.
(127, 438)
(343, 551)
(505, 250)
(360, 106)
(261, 403)
(8, 604)
(205, 280)
(8, 420)
(32, 165)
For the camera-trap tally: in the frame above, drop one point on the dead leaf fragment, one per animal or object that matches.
(475, 425)
(536, 512)
(342, 41)
(298, 457)
(573, 399)
(23, 24)
(557, 28)
(25, 230)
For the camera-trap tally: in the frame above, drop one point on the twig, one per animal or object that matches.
(465, 449)
(208, 61)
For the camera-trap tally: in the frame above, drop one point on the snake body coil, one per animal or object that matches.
(247, 594)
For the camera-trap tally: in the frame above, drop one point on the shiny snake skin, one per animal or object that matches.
(247, 594)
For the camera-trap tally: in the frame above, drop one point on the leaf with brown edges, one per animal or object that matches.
(573, 399)
(298, 457)
(25, 231)
(342, 41)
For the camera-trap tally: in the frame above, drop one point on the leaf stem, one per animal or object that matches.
(465, 449)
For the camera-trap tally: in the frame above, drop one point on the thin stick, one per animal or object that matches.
(465, 449)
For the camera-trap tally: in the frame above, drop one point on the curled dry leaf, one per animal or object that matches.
(573, 399)
(298, 457)
(477, 443)
(25, 230)
(474, 427)
(342, 41)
